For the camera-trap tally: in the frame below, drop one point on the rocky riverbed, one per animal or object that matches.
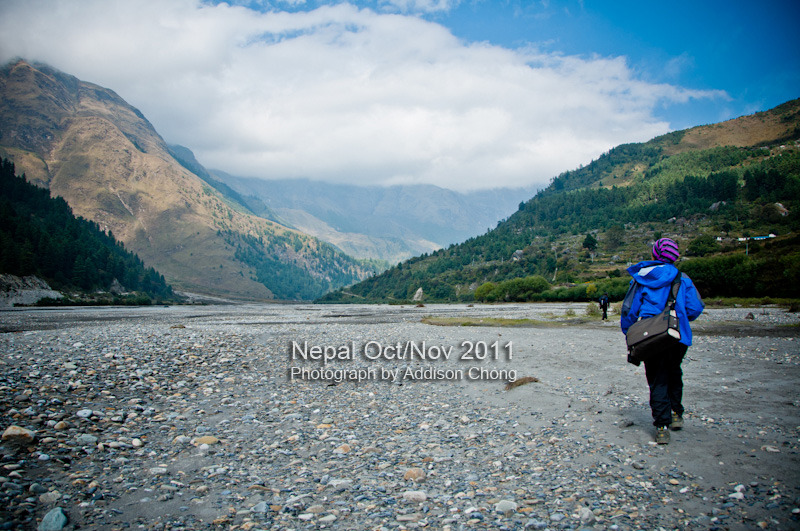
(365, 417)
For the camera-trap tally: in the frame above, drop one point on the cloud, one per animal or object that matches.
(343, 94)
(678, 65)
(419, 6)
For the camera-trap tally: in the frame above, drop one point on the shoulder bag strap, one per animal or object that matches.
(673, 290)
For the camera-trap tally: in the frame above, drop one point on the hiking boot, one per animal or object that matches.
(662, 435)
(677, 422)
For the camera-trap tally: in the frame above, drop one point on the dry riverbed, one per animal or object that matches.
(388, 417)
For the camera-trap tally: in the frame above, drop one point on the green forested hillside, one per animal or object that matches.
(575, 238)
(40, 236)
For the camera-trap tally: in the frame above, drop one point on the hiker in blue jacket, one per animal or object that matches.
(646, 297)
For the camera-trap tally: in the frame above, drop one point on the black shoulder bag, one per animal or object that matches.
(649, 337)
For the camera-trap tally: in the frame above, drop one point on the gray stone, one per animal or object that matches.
(85, 439)
(415, 496)
(587, 516)
(54, 520)
(36, 488)
(50, 497)
(505, 506)
(536, 524)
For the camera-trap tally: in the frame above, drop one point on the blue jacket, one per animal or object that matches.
(648, 294)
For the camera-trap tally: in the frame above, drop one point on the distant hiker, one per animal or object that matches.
(604, 301)
(647, 296)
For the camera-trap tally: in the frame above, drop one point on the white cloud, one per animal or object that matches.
(419, 6)
(342, 94)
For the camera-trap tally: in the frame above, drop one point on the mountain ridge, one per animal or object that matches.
(772, 126)
(87, 145)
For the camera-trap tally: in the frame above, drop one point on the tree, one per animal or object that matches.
(590, 242)
(39, 235)
(591, 290)
(614, 236)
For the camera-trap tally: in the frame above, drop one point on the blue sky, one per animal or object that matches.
(463, 94)
(749, 50)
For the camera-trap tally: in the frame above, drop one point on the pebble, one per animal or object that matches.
(505, 506)
(586, 516)
(36, 488)
(15, 435)
(415, 496)
(86, 439)
(343, 449)
(415, 474)
(50, 497)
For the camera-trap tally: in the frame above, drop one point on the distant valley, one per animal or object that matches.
(388, 224)
(385, 223)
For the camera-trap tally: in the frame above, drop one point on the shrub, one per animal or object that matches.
(516, 289)
(485, 292)
(702, 245)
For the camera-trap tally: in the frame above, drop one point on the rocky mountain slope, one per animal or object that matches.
(101, 155)
(16, 290)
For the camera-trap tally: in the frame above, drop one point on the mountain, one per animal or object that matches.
(720, 190)
(87, 145)
(384, 223)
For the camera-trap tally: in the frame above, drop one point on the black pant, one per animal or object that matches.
(665, 378)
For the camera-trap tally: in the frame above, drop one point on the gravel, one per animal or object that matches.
(188, 418)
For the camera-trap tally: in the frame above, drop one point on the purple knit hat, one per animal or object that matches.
(666, 250)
